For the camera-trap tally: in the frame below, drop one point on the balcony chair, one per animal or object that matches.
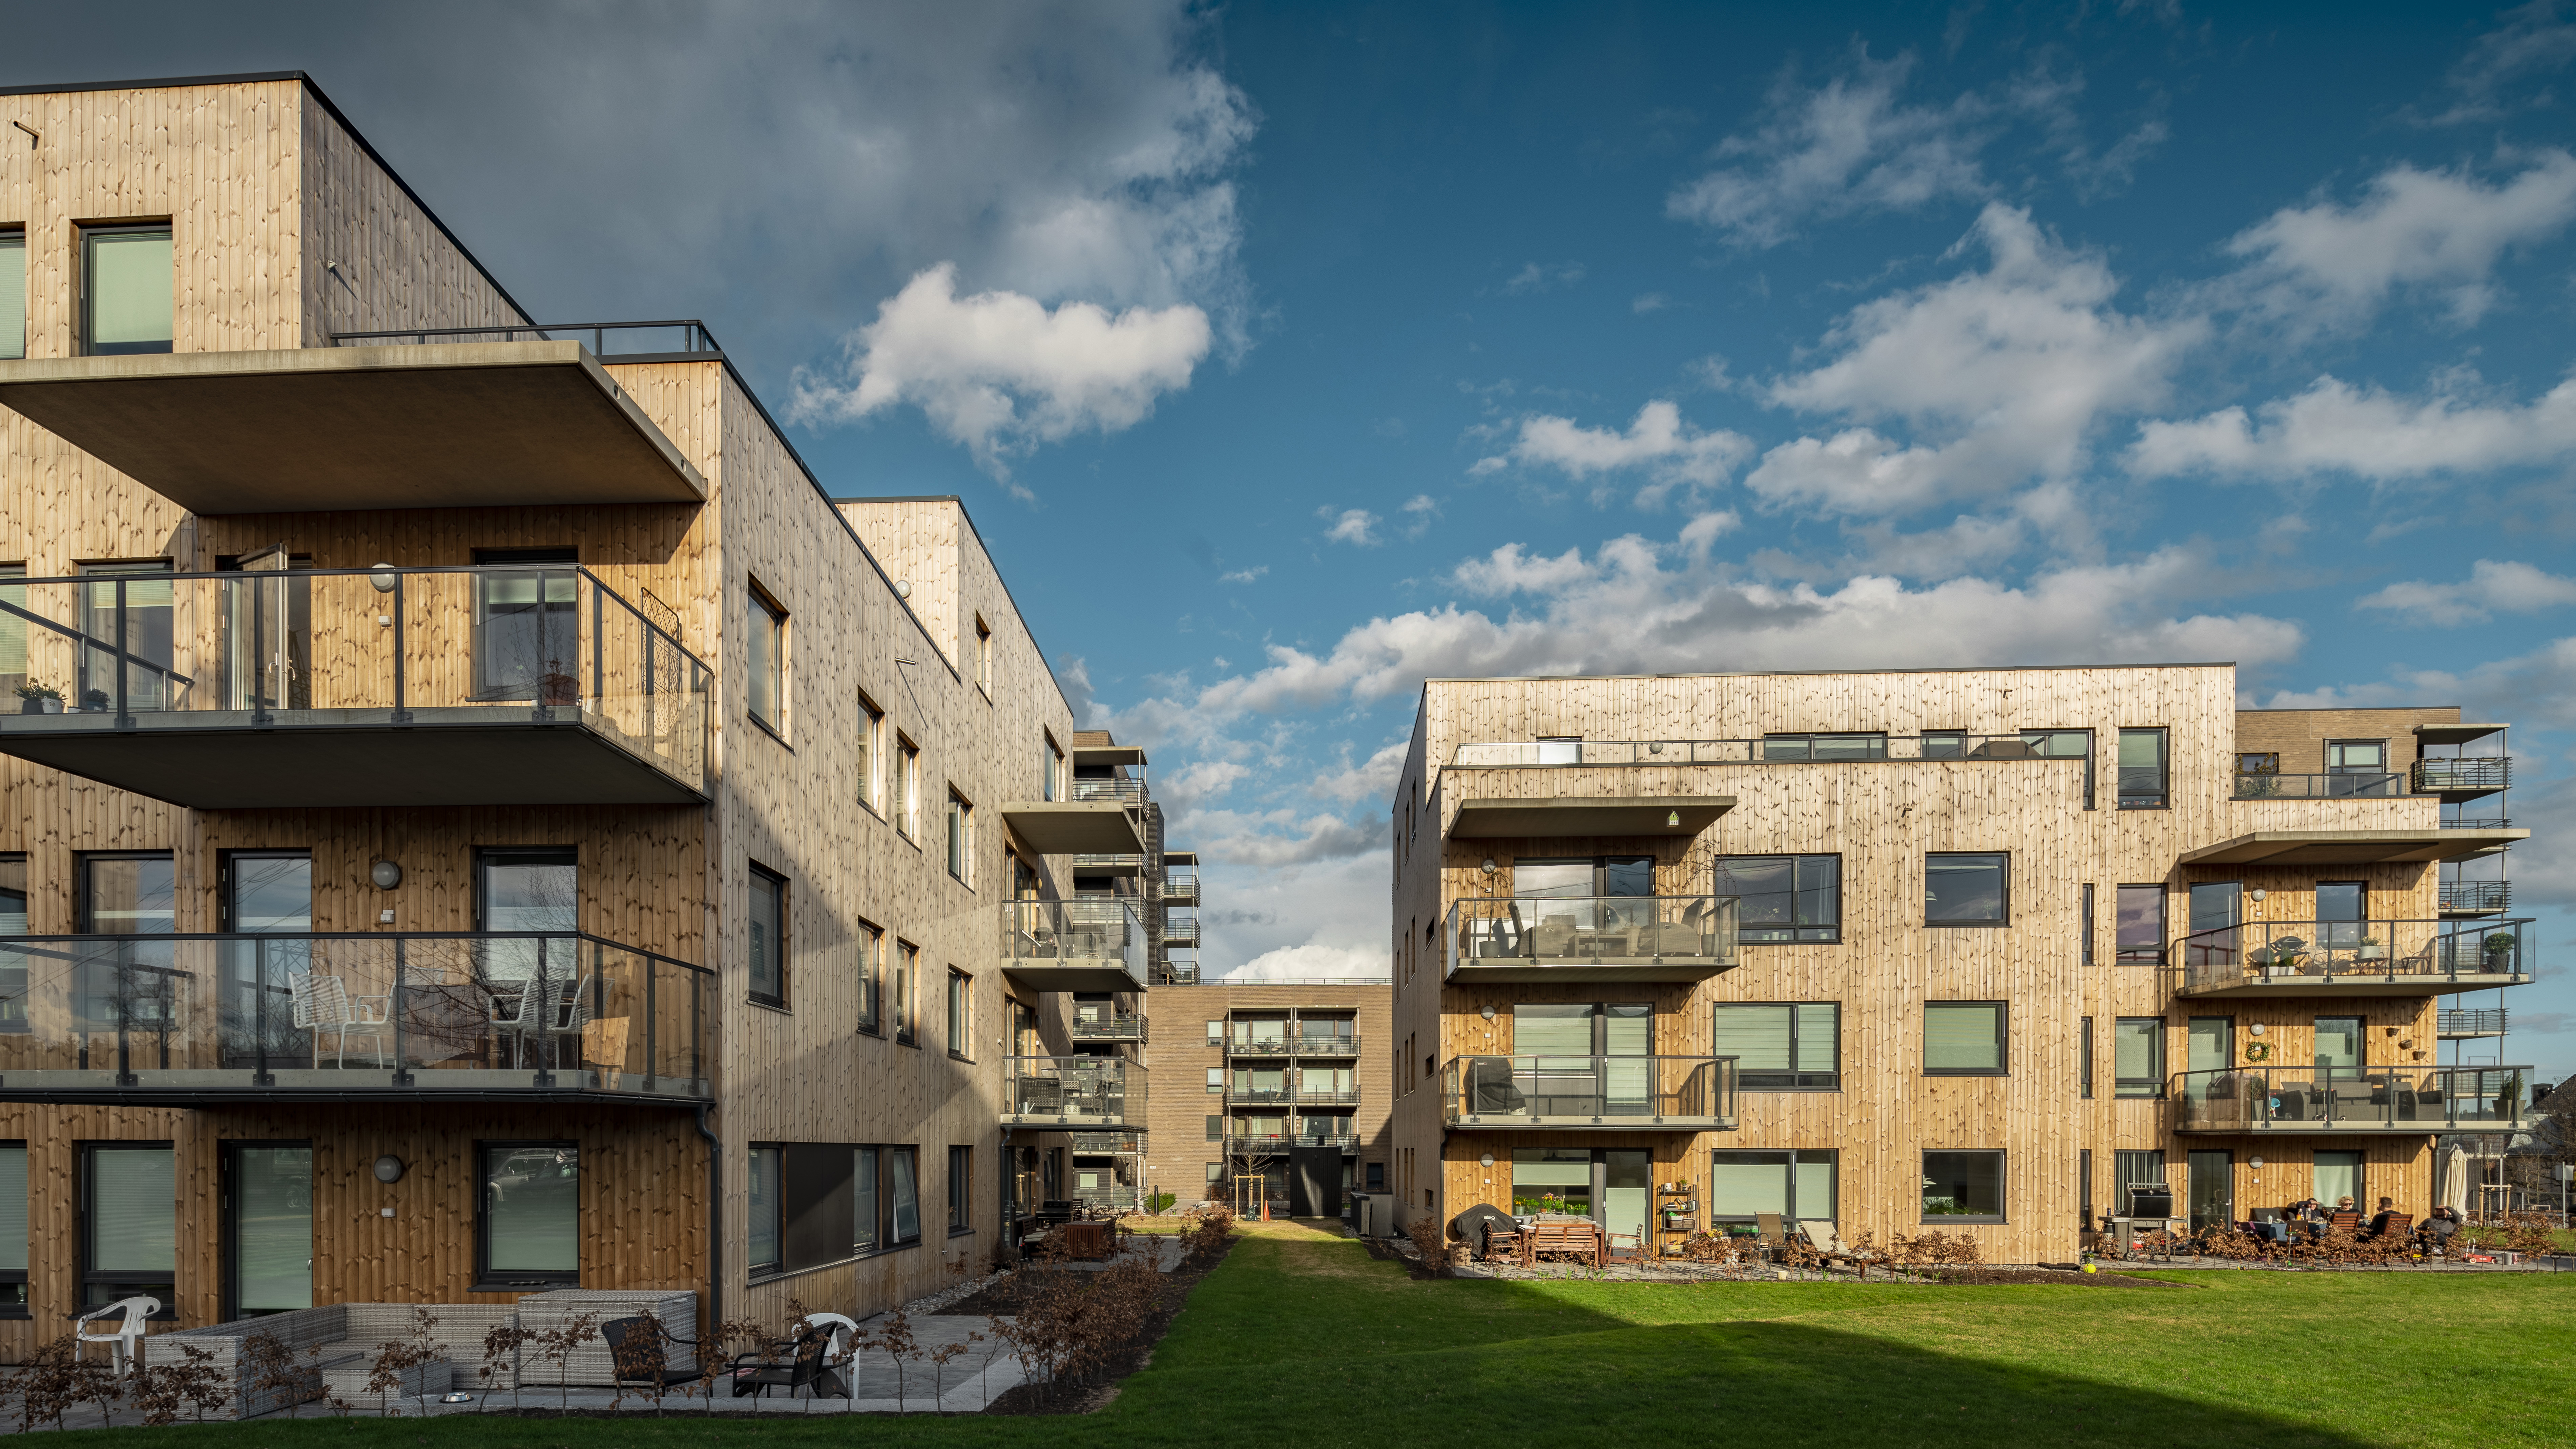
(1554, 936)
(638, 1353)
(128, 1315)
(804, 1368)
(323, 1003)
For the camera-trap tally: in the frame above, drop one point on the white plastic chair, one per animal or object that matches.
(841, 1354)
(323, 1003)
(130, 1314)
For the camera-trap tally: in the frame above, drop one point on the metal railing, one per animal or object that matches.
(1293, 1044)
(1180, 932)
(1328, 1096)
(1096, 860)
(2322, 1098)
(290, 649)
(2476, 772)
(1131, 792)
(2477, 822)
(1114, 1199)
(1109, 1026)
(634, 340)
(2475, 895)
(2377, 785)
(1085, 932)
(1281, 1095)
(1591, 930)
(1073, 1091)
(1826, 748)
(1692, 1093)
(1181, 890)
(2470, 1021)
(1261, 1145)
(2320, 953)
(1106, 1144)
(349, 1012)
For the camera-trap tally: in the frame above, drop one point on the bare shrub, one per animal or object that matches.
(1430, 1239)
(557, 1345)
(501, 1347)
(400, 1356)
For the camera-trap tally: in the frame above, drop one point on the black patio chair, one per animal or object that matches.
(807, 1366)
(639, 1353)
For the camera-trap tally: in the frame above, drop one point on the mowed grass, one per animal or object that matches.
(1298, 1340)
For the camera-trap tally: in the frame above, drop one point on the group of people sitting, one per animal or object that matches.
(2314, 1218)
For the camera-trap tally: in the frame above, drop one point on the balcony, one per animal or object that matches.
(2350, 958)
(2321, 1100)
(1830, 748)
(1652, 1094)
(2475, 897)
(205, 1019)
(2354, 847)
(340, 687)
(1327, 1096)
(2376, 785)
(1107, 1144)
(1181, 890)
(1102, 818)
(1091, 944)
(1090, 1092)
(1095, 863)
(1180, 932)
(2464, 778)
(1109, 1026)
(492, 419)
(1594, 938)
(2469, 1023)
(1277, 1145)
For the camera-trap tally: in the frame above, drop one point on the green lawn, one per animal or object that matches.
(1298, 1341)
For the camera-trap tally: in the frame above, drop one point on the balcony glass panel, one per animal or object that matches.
(2326, 1098)
(1578, 1090)
(1592, 929)
(1088, 1091)
(2284, 953)
(1094, 933)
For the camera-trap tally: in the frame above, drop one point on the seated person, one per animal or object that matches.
(2378, 1224)
(2310, 1214)
(2441, 1225)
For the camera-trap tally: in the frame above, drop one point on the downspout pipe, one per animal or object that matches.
(715, 1220)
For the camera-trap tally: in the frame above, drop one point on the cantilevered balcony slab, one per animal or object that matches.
(1599, 939)
(2353, 847)
(1551, 816)
(485, 424)
(1076, 827)
(1089, 944)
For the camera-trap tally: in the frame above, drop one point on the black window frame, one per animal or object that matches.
(2038, 741)
(518, 1280)
(1216, 1127)
(2126, 953)
(883, 1191)
(2003, 1040)
(1746, 1081)
(2004, 895)
(1799, 747)
(961, 1190)
(2084, 1061)
(871, 945)
(89, 234)
(127, 1284)
(1789, 1158)
(1797, 932)
(2133, 794)
(17, 1277)
(2084, 954)
(228, 1219)
(817, 1190)
(13, 978)
(84, 904)
(758, 601)
(2125, 1162)
(2148, 1088)
(2002, 1181)
(2326, 757)
(904, 1002)
(755, 1266)
(961, 839)
(760, 879)
(15, 349)
(961, 1014)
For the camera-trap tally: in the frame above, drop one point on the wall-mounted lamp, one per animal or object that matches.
(2255, 1161)
(2257, 893)
(903, 588)
(1489, 1013)
(1488, 1159)
(2256, 1029)
(1488, 866)
(389, 1169)
(385, 874)
(383, 577)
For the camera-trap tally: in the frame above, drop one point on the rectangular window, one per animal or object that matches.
(1215, 1080)
(961, 1014)
(768, 937)
(526, 625)
(2142, 770)
(1052, 764)
(528, 1234)
(13, 964)
(127, 284)
(1963, 1187)
(130, 1217)
(1216, 1030)
(899, 1000)
(1780, 1047)
(13, 295)
(2138, 1056)
(2343, 913)
(1216, 1129)
(1552, 1180)
(961, 839)
(1871, 746)
(865, 1202)
(13, 1229)
(2084, 1060)
(2084, 953)
(871, 751)
(907, 787)
(961, 1190)
(1799, 1186)
(2336, 1177)
(1783, 897)
(1943, 745)
(1967, 890)
(2139, 931)
(127, 895)
(1216, 1172)
(2134, 1170)
(805, 1201)
(903, 1195)
(2267, 762)
(762, 1227)
(267, 1227)
(2356, 757)
(2062, 745)
(2209, 1044)
(984, 657)
(2338, 1043)
(871, 979)
(765, 625)
(1963, 1038)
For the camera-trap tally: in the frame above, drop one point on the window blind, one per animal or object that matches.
(1741, 1184)
(1814, 1181)
(1962, 1037)
(1817, 1033)
(1544, 1029)
(1757, 1036)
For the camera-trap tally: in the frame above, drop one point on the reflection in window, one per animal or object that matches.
(531, 1213)
(526, 634)
(1963, 1038)
(1963, 1185)
(1799, 1186)
(128, 609)
(1966, 890)
(127, 288)
(1782, 897)
(2141, 925)
(270, 1202)
(768, 937)
(763, 1212)
(2138, 1056)
(1779, 1047)
(2142, 770)
(1825, 747)
(130, 1205)
(13, 1229)
(767, 661)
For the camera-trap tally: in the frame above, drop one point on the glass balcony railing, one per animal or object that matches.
(2470, 776)
(1180, 889)
(1126, 792)
(1282, 1141)
(1108, 1026)
(1633, 938)
(1684, 1093)
(1094, 939)
(2333, 1099)
(202, 678)
(241, 1017)
(2375, 785)
(607, 341)
(1180, 931)
(1073, 1092)
(2320, 955)
(1768, 749)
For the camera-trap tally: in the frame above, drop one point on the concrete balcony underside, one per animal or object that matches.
(1076, 827)
(1102, 973)
(1620, 970)
(2353, 984)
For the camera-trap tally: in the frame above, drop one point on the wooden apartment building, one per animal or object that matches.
(1955, 950)
(477, 814)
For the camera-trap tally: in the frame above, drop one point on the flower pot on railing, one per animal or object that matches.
(554, 687)
(35, 699)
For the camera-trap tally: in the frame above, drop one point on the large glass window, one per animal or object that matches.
(2138, 1056)
(1967, 890)
(2336, 1176)
(2142, 770)
(128, 895)
(871, 752)
(2356, 757)
(1552, 1180)
(1963, 1038)
(768, 937)
(2141, 925)
(530, 1229)
(908, 788)
(805, 1205)
(766, 656)
(2339, 1043)
(13, 641)
(268, 1206)
(1780, 1047)
(2216, 904)
(129, 609)
(127, 289)
(13, 1229)
(13, 964)
(1535, 878)
(1963, 1187)
(1783, 897)
(130, 1218)
(871, 983)
(903, 1205)
(2343, 910)
(961, 1014)
(865, 1202)
(2210, 1044)
(1825, 747)
(13, 295)
(762, 1213)
(907, 975)
(1799, 1186)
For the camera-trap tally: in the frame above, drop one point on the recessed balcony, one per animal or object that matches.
(1586, 1094)
(2350, 958)
(1595, 938)
(1091, 944)
(1107, 1026)
(522, 685)
(2324, 1101)
(2475, 897)
(2370, 785)
(2465, 777)
(200, 1019)
(1073, 1092)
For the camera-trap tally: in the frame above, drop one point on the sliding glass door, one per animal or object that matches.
(267, 1227)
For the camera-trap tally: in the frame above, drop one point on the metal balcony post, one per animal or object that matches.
(124, 1012)
(124, 720)
(544, 1001)
(652, 1019)
(260, 1075)
(401, 715)
(598, 632)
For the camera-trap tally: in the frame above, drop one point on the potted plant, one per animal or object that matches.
(2499, 947)
(557, 687)
(95, 701)
(2371, 948)
(34, 698)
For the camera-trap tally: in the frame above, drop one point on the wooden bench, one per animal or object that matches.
(1580, 1241)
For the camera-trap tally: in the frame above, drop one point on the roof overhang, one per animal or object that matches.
(448, 425)
(2353, 847)
(1501, 819)
(1110, 755)
(2455, 734)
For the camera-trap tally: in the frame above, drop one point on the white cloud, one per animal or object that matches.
(1670, 451)
(2438, 231)
(2534, 40)
(1701, 532)
(1244, 576)
(1369, 782)
(1646, 302)
(1000, 373)
(1507, 571)
(2492, 586)
(2334, 427)
(1356, 526)
(1314, 963)
(1200, 781)
(1274, 838)
(1425, 510)
(2009, 371)
(1543, 277)
(2534, 690)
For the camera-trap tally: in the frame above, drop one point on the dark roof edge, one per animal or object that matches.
(1822, 673)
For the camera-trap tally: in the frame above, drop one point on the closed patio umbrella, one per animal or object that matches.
(2455, 1182)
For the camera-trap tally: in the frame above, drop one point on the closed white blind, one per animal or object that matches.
(13, 295)
(1630, 1031)
(1540, 1030)
(134, 1227)
(1960, 1038)
(13, 629)
(1817, 1036)
(1741, 1184)
(1815, 1176)
(1757, 1036)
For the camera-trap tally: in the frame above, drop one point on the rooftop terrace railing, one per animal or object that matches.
(1131, 792)
(2470, 1021)
(1768, 749)
(607, 341)
(2471, 773)
(2377, 785)
(2475, 895)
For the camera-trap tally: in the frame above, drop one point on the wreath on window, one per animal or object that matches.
(2260, 1051)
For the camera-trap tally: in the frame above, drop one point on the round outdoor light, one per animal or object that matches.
(383, 577)
(1489, 865)
(2256, 1028)
(2256, 1161)
(903, 588)
(1489, 1159)
(389, 1168)
(1489, 1013)
(2256, 893)
(385, 874)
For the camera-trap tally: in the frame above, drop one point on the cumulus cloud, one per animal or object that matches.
(1200, 781)
(1313, 963)
(1543, 277)
(1355, 526)
(1368, 782)
(1658, 443)
(2437, 232)
(1647, 302)
(2007, 372)
(2537, 689)
(999, 372)
(1424, 509)
(2491, 587)
(2363, 432)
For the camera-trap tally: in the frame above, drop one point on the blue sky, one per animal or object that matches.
(1366, 344)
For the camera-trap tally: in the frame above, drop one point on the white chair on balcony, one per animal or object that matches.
(121, 1326)
(323, 1003)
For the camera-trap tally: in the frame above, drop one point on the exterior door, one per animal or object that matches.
(267, 1227)
(267, 893)
(2213, 1189)
(1627, 1185)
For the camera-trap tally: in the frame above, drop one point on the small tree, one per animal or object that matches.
(899, 1344)
(50, 1384)
(501, 1347)
(557, 1346)
(396, 1358)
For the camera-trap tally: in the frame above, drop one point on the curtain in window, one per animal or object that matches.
(864, 1200)
(134, 1211)
(764, 1207)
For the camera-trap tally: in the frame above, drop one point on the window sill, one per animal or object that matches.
(767, 1005)
(1967, 1072)
(961, 1232)
(955, 1055)
(1936, 1220)
(19, 1313)
(766, 728)
(543, 1286)
(773, 1275)
(1741, 1087)
(910, 1041)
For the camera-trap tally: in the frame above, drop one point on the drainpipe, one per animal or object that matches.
(715, 1219)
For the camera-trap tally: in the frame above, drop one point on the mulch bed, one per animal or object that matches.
(1095, 1392)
